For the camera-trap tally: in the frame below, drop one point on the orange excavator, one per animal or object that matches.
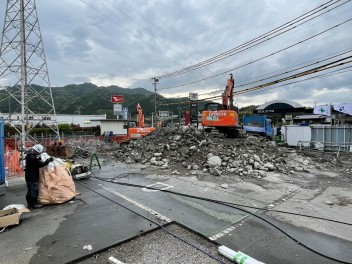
(222, 118)
(139, 131)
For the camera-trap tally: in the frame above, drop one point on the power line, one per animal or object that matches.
(260, 39)
(328, 74)
(264, 57)
(297, 75)
(288, 70)
(327, 66)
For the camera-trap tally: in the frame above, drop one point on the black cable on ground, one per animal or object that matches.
(235, 206)
(112, 180)
(156, 223)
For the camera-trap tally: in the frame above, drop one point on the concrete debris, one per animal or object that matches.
(224, 185)
(186, 149)
(215, 160)
(88, 247)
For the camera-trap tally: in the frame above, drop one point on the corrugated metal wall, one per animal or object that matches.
(332, 137)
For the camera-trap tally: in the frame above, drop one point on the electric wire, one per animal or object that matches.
(297, 75)
(237, 206)
(328, 74)
(259, 59)
(283, 71)
(266, 85)
(260, 38)
(236, 48)
(157, 224)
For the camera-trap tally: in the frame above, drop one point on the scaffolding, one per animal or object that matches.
(23, 71)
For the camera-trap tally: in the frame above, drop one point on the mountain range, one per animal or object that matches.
(88, 98)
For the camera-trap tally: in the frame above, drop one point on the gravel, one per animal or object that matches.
(159, 247)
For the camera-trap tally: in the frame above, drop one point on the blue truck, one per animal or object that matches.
(258, 125)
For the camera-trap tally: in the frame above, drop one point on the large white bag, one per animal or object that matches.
(56, 186)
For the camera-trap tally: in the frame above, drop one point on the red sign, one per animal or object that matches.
(117, 98)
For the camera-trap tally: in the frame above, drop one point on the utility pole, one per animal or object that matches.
(179, 112)
(155, 81)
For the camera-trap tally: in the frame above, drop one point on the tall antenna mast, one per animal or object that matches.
(23, 71)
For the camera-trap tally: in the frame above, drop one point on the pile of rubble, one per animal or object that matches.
(191, 149)
(91, 146)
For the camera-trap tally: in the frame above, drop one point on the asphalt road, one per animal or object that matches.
(125, 222)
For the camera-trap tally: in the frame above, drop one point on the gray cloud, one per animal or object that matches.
(110, 43)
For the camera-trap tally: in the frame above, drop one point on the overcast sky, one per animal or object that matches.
(127, 42)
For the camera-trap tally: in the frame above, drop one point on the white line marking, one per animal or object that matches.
(157, 183)
(114, 260)
(145, 208)
(224, 232)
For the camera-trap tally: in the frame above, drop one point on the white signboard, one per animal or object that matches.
(193, 96)
(164, 114)
(117, 107)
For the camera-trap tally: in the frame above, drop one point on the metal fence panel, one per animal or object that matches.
(335, 138)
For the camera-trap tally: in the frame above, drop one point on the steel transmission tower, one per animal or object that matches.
(23, 71)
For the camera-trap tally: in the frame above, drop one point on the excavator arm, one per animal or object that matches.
(227, 96)
(140, 116)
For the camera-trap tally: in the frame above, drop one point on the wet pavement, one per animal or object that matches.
(105, 215)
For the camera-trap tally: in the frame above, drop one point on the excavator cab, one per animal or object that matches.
(222, 117)
(217, 107)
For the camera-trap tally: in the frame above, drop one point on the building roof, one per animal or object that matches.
(279, 104)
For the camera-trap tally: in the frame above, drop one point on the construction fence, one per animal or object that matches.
(320, 137)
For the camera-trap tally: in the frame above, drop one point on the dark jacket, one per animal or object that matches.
(33, 163)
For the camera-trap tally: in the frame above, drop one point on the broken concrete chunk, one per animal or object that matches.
(177, 137)
(214, 160)
(225, 186)
(298, 168)
(210, 155)
(269, 165)
(257, 165)
(256, 158)
(203, 142)
(195, 167)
